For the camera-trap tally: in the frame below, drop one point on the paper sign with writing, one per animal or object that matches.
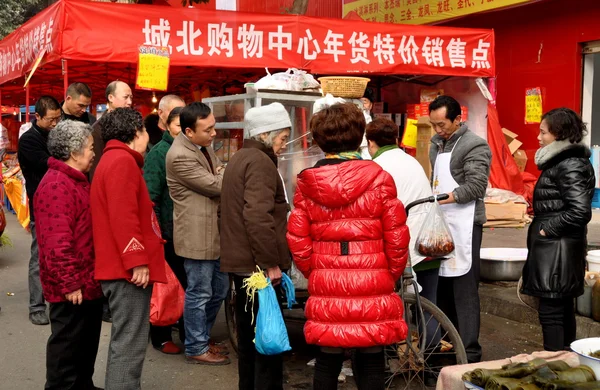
(153, 68)
(409, 138)
(533, 106)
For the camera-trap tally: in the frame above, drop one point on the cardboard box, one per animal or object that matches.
(515, 212)
(424, 133)
(513, 143)
(521, 160)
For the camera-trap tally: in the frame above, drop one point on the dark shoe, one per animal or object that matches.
(219, 349)
(39, 318)
(208, 359)
(106, 317)
(169, 348)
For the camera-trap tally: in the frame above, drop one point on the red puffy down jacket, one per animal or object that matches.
(348, 236)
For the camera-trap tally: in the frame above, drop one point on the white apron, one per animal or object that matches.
(459, 217)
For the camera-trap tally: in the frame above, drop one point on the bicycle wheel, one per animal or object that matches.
(230, 314)
(409, 367)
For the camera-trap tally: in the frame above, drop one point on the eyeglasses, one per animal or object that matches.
(54, 120)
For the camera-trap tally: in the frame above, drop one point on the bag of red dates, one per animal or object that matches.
(434, 239)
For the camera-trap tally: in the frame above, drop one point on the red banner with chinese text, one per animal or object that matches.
(246, 40)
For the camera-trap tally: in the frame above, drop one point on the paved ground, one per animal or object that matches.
(22, 345)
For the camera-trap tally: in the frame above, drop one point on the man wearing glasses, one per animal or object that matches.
(33, 157)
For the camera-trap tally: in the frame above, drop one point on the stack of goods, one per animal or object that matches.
(537, 374)
(505, 209)
(513, 145)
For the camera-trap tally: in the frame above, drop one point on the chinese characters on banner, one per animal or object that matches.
(153, 68)
(420, 11)
(337, 47)
(533, 106)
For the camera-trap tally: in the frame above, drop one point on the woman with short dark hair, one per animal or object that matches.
(557, 242)
(129, 246)
(348, 236)
(66, 249)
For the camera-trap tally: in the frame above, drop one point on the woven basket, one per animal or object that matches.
(344, 87)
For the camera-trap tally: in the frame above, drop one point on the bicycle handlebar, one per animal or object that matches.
(430, 199)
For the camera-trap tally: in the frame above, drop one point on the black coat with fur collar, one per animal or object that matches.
(562, 204)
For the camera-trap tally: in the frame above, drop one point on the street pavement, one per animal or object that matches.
(22, 345)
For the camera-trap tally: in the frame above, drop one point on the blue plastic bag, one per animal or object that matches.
(271, 333)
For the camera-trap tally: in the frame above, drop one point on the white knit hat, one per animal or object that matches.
(264, 119)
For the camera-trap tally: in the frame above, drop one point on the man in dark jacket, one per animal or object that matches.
(33, 157)
(118, 94)
(253, 224)
(77, 101)
(461, 167)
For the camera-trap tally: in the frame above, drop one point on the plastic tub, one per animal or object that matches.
(593, 260)
(502, 264)
(583, 348)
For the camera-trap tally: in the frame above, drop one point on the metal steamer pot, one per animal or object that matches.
(502, 264)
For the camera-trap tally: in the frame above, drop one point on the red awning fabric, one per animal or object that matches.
(112, 33)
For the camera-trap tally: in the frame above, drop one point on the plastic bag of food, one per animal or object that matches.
(434, 239)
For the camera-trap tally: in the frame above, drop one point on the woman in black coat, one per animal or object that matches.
(557, 243)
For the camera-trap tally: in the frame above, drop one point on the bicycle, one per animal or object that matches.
(415, 359)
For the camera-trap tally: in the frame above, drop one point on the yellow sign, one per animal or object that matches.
(533, 106)
(409, 138)
(153, 68)
(421, 11)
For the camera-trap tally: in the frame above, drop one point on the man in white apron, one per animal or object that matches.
(461, 167)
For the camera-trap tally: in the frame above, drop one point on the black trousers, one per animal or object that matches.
(368, 366)
(256, 371)
(161, 334)
(458, 298)
(559, 327)
(428, 279)
(73, 345)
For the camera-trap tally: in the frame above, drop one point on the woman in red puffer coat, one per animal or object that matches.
(348, 236)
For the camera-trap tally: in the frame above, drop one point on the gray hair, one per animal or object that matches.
(168, 100)
(68, 137)
(271, 135)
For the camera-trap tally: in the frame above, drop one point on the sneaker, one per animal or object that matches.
(39, 318)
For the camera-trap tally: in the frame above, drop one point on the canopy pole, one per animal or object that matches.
(27, 103)
(65, 73)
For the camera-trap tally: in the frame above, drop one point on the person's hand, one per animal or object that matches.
(75, 297)
(141, 276)
(542, 233)
(275, 275)
(449, 200)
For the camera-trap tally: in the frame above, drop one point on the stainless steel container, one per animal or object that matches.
(502, 264)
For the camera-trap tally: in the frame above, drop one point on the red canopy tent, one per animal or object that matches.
(98, 42)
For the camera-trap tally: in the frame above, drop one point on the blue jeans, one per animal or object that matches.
(207, 288)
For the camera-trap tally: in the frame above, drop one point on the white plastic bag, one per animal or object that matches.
(434, 239)
(299, 281)
(291, 80)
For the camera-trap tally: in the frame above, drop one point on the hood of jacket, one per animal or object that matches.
(557, 151)
(339, 184)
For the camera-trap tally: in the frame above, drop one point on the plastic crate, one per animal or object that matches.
(596, 199)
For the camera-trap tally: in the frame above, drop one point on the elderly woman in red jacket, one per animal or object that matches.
(64, 228)
(128, 244)
(348, 236)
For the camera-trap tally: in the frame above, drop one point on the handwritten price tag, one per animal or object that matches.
(153, 68)
(533, 106)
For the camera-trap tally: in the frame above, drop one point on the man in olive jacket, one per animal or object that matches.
(253, 224)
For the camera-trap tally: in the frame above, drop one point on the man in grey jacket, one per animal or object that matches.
(461, 167)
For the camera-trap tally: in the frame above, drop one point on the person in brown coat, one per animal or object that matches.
(253, 224)
(194, 177)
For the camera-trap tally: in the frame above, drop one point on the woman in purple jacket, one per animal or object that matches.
(66, 250)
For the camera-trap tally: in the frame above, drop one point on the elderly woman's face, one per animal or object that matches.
(279, 143)
(85, 158)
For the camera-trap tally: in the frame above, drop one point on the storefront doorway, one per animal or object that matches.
(591, 91)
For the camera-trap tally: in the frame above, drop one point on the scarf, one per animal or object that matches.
(546, 153)
(383, 149)
(344, 156)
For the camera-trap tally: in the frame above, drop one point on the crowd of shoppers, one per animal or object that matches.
(175, 204)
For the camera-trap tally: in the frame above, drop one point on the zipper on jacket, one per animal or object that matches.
(344, 248)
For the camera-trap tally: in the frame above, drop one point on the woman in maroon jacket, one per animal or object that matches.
(128, 244)
(348, 236)
(64, 228)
